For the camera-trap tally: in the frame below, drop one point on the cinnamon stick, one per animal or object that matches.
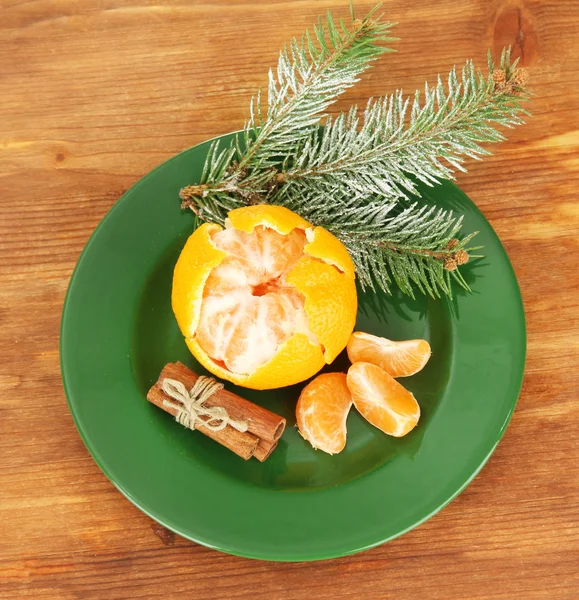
(260, 421)
(264, 450)
(264, 427)
(244, 444)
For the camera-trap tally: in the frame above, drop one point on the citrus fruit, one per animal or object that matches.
(322, 410)
(398, 359)
(381, 400)
(267, 300)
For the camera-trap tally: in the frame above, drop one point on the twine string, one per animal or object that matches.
(190, 407)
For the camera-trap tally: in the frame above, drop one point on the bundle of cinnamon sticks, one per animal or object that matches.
(264, 428)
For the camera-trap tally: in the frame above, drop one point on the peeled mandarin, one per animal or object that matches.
(255, 306)
(381, 400)
(322, 410)
(398, 359)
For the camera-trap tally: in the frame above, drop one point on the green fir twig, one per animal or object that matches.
(357, 175)
(399, 140)
(310, 76)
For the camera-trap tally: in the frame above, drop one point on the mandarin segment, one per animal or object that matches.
(398, 359)
(253, 341)
(240, 245)
(217, 323)
(322, 411)
(279, 252)
(283, 314)
(381, 400)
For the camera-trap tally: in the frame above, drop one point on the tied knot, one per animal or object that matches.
(191, 407)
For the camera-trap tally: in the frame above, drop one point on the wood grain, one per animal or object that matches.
(95, 93)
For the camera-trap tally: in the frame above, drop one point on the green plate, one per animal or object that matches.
(118, 331)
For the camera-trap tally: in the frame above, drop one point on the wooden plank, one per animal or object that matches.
(93, 94)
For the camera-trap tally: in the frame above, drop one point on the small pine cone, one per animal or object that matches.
(452, 244)
(520, 78)
(499, 77)
(450, 264)
(461, 257)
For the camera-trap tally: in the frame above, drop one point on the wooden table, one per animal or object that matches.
(93, 95)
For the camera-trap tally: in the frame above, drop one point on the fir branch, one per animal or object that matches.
(310, 75)
(387, 151)
(416, 247)
(354, 175)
